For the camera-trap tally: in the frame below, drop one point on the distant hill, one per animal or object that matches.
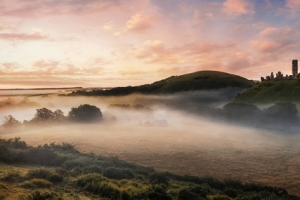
(271, 91)
(202, 80)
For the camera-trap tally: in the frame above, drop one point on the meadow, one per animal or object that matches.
(186, 144)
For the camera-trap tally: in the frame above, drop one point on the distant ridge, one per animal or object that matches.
(202, 80)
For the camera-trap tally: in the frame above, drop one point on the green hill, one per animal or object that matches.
(271, 91)
(202, 80)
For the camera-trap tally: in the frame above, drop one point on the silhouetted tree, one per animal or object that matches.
(85, 113)
(43, 115)
(59, 115)
(285, 112)
(10, 121)
(241, 112)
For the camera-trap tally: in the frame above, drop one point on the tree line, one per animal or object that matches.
(82, 113)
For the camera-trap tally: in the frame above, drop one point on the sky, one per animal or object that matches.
(109, 43)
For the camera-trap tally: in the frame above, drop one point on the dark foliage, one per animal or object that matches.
(37, 195)
(159, 193)
(85, 113)
(44, 115)
(285, 112)
(240, 112)
(44, 174)
(193, 193)
(118, 174)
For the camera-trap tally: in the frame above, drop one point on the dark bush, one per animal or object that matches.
(118, 174)
(187, 195)
(231, 192)
(193, 193)
(97, 184)
(55, 178)
(39, 173)
(159, 178)
(233, 184)
(42, 156)
(71, 164)
(12, 177)
(37, 195)
(282, 112)
(125, 195)
(85, 113)
(85, 180)
(159, 194)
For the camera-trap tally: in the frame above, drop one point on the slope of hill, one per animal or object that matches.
(56, 172)
(202, 80)
(270, 92)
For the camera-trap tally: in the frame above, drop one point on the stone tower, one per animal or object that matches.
(295, 68)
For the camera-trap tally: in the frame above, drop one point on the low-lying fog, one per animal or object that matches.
(167, 139)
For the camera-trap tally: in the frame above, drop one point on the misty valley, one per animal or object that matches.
(189, 145)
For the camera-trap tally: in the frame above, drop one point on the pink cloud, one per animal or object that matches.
(36, 34)
(21, 36)
(139, 23)
(36, 8)
(265, 46)
(292, 3)
(154, 51)
(238, 7)
(277, 33)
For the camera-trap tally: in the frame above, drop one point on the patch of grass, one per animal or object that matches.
(12, 177)
(37, 195)
(271, 91)
(36, 183)
(118, 180)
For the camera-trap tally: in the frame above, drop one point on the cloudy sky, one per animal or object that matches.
(60, 43)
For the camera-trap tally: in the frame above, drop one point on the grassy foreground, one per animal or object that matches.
(59, 171)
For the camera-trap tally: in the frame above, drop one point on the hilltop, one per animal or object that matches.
(271, 91)
(202, 80)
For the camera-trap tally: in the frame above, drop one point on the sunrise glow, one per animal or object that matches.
(107, 43)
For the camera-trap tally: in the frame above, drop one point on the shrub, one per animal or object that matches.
(36, 183)
(12, 177)
(187, 195)
(85, 180)
(42, 156)
(118, 174)
(98, 185)
(44, 174)
(55, 178)
(159, 178)
(106, 190)
(193, 193)
(159, 194)
(37, 195)
(231, 192)
(85, 113)
(39, 173)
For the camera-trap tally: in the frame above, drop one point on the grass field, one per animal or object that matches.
(193, 146)
(270, 92)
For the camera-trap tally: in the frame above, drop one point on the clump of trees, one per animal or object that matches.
(10, 122)
(85, 113)
(281, 116)
(82, 113)
(45, 115)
